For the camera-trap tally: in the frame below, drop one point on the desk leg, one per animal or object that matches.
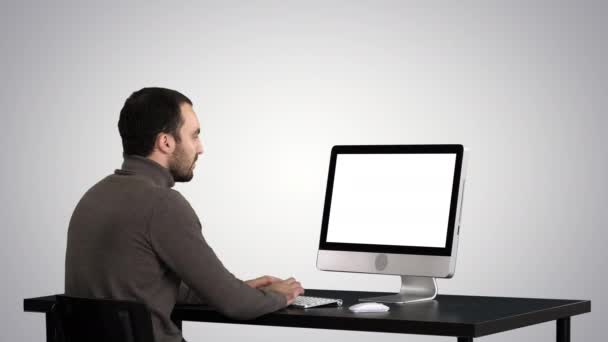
(50, 328)
(563, 329)
(465, 339)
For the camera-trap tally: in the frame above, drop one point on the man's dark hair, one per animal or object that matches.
(146, 113)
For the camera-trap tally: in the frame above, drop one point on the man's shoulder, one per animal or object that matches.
(173, 200)
(113, 188)
(173, 211)
(139, 192)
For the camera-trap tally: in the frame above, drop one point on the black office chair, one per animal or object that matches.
(101, 320)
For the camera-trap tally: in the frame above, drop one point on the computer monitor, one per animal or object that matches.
(394, 209)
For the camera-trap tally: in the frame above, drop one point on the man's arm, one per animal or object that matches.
(187, 296)
(175, 235)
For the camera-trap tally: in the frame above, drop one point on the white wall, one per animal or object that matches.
(275, 85)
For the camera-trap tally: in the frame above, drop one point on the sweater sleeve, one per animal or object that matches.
(175, 235)
(187, 296)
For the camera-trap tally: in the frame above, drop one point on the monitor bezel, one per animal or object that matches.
(458, 150)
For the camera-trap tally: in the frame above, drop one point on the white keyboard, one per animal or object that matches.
(306, 302)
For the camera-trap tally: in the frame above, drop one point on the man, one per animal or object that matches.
(133, 237)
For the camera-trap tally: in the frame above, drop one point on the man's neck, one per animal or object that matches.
(159, 159)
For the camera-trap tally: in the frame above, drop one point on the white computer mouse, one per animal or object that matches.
(368, 307)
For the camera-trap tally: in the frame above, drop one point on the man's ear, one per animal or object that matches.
(165, 143)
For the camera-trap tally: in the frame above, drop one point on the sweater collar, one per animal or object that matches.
(138, 165)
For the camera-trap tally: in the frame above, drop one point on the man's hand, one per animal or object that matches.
(290, 288)
(262, 281)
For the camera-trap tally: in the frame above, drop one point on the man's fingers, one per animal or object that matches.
(292, 295)
(291, 289)
(295, 284)
(297, 287)
(268, 280)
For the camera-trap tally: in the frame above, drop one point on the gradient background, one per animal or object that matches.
(275, 85)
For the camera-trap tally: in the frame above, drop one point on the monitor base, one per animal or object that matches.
(413, 289)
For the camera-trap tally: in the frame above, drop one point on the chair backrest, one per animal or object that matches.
(101, 320)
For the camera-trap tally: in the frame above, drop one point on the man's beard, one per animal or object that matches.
(180, 166)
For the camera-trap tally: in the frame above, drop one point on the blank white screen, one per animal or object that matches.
(391, 199)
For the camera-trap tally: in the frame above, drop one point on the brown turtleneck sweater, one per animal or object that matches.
(133, 237)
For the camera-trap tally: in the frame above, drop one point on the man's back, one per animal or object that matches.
(132, 237)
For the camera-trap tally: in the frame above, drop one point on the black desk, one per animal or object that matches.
(464, 317)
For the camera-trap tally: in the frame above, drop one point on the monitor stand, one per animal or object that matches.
(413, 289)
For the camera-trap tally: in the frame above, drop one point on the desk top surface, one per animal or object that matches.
(449, 315)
